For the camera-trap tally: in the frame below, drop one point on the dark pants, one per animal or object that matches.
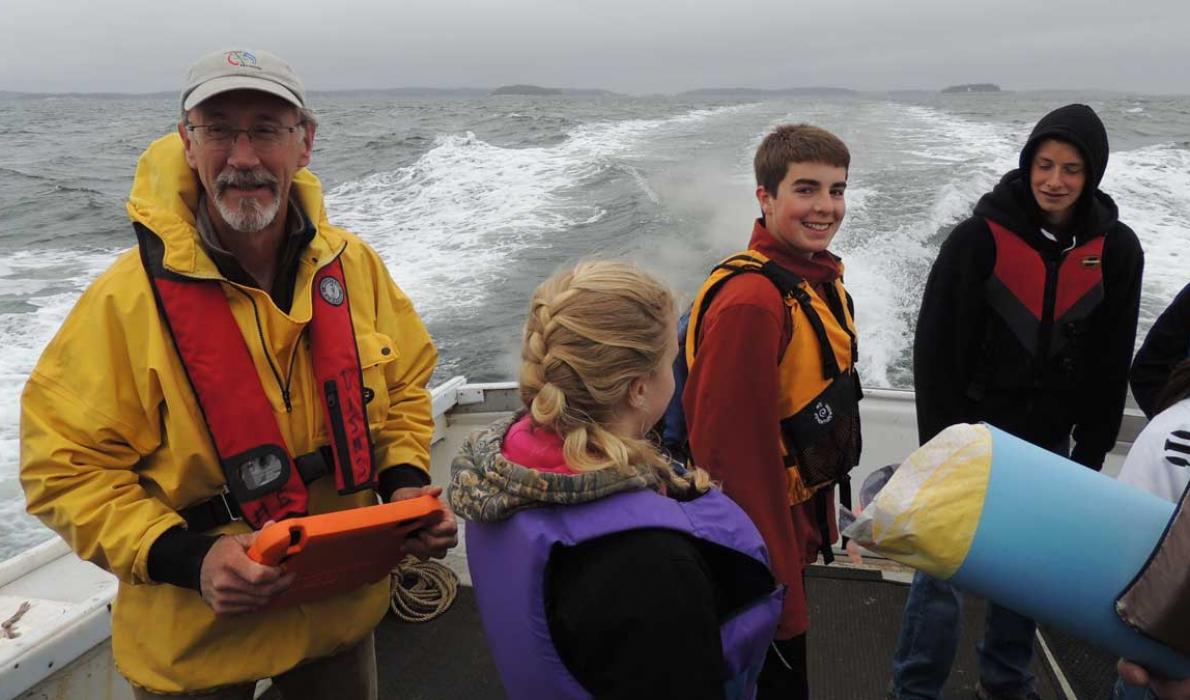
(348, 675)
(930, 637)
(783, 676)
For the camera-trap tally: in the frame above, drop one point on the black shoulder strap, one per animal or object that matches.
(749, 264)
(836, 307)
(783, 279)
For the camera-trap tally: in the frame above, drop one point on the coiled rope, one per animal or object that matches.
(422, 590)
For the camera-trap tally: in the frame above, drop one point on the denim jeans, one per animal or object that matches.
(929, 640)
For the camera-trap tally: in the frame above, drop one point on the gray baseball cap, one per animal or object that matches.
(223, 71)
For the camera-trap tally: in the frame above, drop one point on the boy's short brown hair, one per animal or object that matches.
(796, 143)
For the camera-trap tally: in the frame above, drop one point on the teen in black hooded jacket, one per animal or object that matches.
(970, 360)
(1027, 322)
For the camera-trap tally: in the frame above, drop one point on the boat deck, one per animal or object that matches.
(855, 616)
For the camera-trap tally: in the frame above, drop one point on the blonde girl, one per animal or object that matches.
(594, 570)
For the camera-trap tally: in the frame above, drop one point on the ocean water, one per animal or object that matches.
(472, 202)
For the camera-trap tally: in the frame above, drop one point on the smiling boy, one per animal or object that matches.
(771, 402)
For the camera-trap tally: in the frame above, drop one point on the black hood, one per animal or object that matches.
(1011, 203)
(1079, 126)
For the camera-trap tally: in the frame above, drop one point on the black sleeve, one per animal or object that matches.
(950, 328)
(1167, 344)
(633, 615)
(1101, 405)
(176, 557)
(399, 477)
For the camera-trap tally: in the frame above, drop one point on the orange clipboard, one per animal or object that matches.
(337, 552)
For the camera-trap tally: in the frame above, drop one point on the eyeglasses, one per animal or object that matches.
(262, 136)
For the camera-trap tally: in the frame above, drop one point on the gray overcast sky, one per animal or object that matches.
(631, 46)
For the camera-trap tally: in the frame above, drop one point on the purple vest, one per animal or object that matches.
(508, 561)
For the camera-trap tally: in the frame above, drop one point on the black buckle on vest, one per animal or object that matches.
(221, 509)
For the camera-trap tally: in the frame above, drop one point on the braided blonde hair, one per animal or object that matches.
(591, 331)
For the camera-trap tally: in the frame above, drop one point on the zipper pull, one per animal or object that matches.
(285, 398)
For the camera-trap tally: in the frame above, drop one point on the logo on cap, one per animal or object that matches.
(242, 59)
(331, 291)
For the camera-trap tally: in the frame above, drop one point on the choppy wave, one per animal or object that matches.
(448, 224)
(896, 211)
(1152, 188)
(48, 283)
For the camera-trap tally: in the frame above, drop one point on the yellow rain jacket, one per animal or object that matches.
(113, 443)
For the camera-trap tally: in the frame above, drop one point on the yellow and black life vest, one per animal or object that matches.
(820, 391)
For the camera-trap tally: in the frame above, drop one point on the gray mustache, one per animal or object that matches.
(245, 179)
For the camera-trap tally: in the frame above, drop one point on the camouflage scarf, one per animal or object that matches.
(487, 487)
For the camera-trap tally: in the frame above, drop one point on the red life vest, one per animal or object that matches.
(262, 476)
(1044, 306)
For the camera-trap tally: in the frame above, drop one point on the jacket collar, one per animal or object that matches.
(822, 267)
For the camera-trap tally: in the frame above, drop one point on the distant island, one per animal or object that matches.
(538, 91)
(973, 87)
(764, 92)
(525, 90)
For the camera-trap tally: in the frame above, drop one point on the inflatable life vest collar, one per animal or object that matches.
(260, 472)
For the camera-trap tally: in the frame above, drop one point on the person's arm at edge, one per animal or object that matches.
(403, 445)
(1167, 344)
(77, 469)
(1101, 408)
(1137, 675)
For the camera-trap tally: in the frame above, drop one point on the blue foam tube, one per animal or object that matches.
(1058, 542)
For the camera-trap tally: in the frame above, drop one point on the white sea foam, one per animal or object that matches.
(447, 224)
(1151, 185)
(50, 281)
(896, 207)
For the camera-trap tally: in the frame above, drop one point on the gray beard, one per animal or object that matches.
(251, 217)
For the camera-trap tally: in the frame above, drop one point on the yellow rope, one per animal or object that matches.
(422, 590)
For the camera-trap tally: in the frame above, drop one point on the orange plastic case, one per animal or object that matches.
(337, 552)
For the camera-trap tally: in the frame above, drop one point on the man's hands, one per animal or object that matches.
(233, 584)
(441, 531)
(1134, 674)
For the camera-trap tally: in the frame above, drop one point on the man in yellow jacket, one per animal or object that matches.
(246, 362)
